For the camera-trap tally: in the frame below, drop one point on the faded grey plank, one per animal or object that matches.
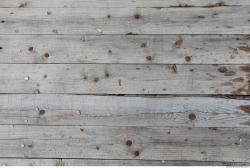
(220, 20)
(123, 111)
(116, 3)
(162, 49)
(101, 142)
(124, 79)
(101, 162)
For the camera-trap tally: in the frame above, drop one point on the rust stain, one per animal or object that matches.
(46, 55)
(219, 4)
(245, 68)
(245, 108)
(136, 153)
(179, 42)
(246, 49)
(239, 79)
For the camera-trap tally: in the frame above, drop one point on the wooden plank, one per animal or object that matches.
(116, 3)
(101, 162)
(150, 143)
(220, 20)
(124, 79)
(123, 111)
(163, 49)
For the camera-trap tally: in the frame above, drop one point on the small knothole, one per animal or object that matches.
(129, 142)
(192, 116)
(188, 58)
(46, 55)
(110, 51)
(107, 75)
(41, 112)
(1, 48)
(144, 45)
(149, 58)
(137, 16)
(81, 129)
(136, 153)
(2, 21)
(45, 76)
(108, 16)
(49, 13)
(96, 80)
(30, 49)
(97, 148)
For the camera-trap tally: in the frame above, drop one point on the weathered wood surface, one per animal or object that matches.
(123, 111)
(106, 142)
(124, 79)
(162, 49)
(102, 162)
(118, 3)
(218, 20)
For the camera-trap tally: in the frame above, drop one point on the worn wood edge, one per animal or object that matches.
(100, 162)
(109, 3)
(122, 49)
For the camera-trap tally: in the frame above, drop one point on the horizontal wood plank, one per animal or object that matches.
(116, 3)
(102, 162)
(221, 20)
(124, 79)
(123, 111)
(151, 143)
(160, 49)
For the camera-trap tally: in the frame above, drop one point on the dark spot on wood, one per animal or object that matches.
(164, 89)
(46, 55)
(188, 58)
(245, 68)
(137, 68)
(49, 13)
(201, 17)
(30, 146)
(30, 49)
(239, 79)
(45, 76)
(129, 143)
(213, 128)
(144, 45)
(136, 153)
(85, 77)
(96, 79)
(1, 48)
(107, 75)
(108, 16)
(219, 4)
(131, 33)
(178, 42)
(149, 58)
(173, 68)
(246, 49)
(182, 6)
(191, 70)
(55, 31)
(11, 13)
(120, 82)
(110, 51)
(23, 5)
(245, 108)
(203, 152)
(2, 21)
(192, 116)
(137, 16)
(81, 129)
(41, 112)
(222, 69)
(185, 140)
(97, 148)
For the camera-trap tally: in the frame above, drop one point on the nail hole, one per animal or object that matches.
(129, 143)
(31, 49)
(192, 116)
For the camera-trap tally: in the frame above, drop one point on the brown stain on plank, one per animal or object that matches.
(239, 79)
(245, 68)
(178, 42)
(245, 108)
(246, 49)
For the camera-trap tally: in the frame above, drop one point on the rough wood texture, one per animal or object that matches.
(162, 49)
(218, 20)
(106, 142)
(123, 111)
(102, 162)
(124, 79)
(118, 3)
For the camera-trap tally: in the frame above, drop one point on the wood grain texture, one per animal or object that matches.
(115, 3)
(123, 111)
(162, 49)
(102, 162)
(102, 142)
(124, 79)
(220, 20)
